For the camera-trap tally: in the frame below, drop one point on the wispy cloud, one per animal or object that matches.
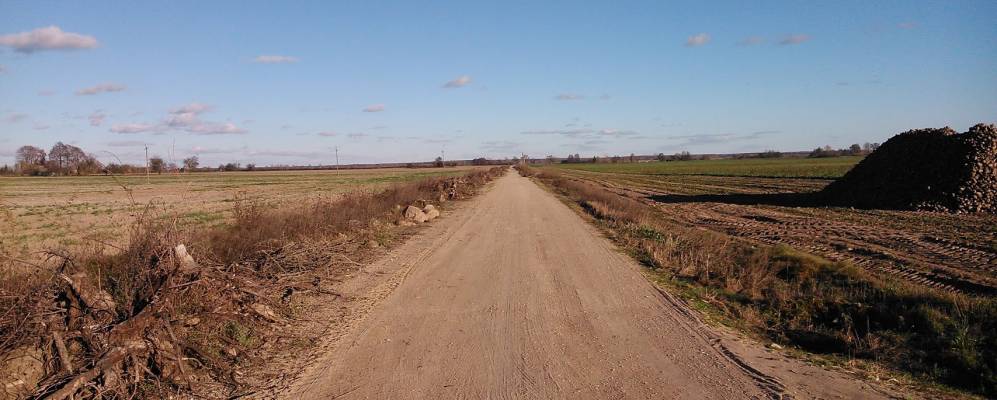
(46, 92)
(569, 96)
(751, 41)
(188, 118)
(357, 135)
(127, 143)
(460, 81)
(41, 126)
(275, 59)
(208, 128)
(794, 39)
(47, 38)
(695, 140)
(101, 88)
(327, 134)
(374, 108)
(907, 25)
(14, 118)
(562, 132)
(698, 40)
(133, 128)
(500, 146)
(2, 69)
(97, 118)
(617, 133)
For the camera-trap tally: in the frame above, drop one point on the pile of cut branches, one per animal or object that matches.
(181, 311)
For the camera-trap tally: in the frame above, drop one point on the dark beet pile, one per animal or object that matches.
(925, 169)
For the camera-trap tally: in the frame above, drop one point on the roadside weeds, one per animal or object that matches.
(790, 297)
(182, 311)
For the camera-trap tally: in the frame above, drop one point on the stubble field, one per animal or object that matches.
(46, 213)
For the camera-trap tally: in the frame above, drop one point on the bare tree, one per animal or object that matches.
(191, 163)
(30, 160)
(156, 164)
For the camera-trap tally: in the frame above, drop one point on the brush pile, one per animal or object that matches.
(925, 169)
(181, 313)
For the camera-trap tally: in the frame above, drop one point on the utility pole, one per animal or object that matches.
(337, 159)
(146, 164)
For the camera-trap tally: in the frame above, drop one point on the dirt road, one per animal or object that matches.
(524, 299)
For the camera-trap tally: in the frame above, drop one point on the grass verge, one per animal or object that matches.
(800, 299)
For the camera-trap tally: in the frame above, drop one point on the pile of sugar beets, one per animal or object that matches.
(924, 169)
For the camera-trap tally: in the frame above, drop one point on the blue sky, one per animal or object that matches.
(286, 83)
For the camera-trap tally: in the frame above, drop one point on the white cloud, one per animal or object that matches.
(188, 118)
(374, 108)
(751, 41)
(133, 128)
(192, 108)
(698, 40)
(794, 39)
(41, 126)
(97, 118)
(358, 135)
(569, 96)
(274, 59)
(327, 133)
(46, 92)
(459, 82)
(48, 38)
(101, 88)
(207, 128)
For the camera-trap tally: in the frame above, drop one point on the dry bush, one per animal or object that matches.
(148, 321)
(794, 297)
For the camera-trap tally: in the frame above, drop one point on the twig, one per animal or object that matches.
(60, 347)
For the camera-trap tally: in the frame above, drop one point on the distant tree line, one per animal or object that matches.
(853, 150)
(62, 159)
(65, 159)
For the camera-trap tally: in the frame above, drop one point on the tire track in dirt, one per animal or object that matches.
(526, 300)
(919, 254)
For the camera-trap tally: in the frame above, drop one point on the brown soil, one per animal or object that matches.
(938, 249)
(515, 296)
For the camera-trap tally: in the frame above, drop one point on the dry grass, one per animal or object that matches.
(143, 321)
(797, 298)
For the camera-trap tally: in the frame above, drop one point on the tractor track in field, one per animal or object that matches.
(928, 254)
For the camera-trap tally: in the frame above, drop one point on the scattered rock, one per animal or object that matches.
(775, 346)
(925, 169)
(413, 213)
(432, 214)
(373, 244)
(192, 321)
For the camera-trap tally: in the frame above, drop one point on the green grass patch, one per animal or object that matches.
(827, 168)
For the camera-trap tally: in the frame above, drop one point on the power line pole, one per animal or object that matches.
(337, 159)
(146, 164)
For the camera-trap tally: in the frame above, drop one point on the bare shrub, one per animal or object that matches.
(148, 321)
